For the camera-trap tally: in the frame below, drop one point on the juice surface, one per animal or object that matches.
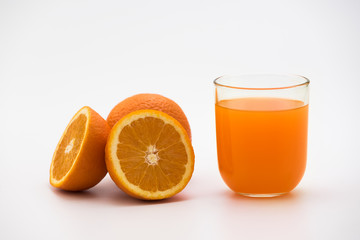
(261, 143)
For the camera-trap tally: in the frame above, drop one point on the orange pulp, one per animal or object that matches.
(261, 143)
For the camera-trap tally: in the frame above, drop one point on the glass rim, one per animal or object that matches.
(305, 81)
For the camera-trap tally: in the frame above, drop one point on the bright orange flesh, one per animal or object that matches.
(149, 155)
(261, 144)
(69, 147)
(148, 101)
(78, 162)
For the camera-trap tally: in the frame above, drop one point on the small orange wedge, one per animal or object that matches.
(78, 162)
(149, 155)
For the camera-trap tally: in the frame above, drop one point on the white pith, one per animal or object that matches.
(151, 156)
(70, 146)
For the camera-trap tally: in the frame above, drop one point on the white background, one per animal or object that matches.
(57, 56)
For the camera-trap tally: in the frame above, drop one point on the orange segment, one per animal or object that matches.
(69, 147)
(149, 155)
(78, 162)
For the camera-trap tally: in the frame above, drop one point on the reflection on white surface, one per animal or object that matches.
(258, 218)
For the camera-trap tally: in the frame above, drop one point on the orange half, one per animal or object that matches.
(79, 159)
(149, 155)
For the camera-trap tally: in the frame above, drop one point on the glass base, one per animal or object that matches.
(261, 195)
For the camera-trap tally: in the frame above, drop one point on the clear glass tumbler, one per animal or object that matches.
(261, 130)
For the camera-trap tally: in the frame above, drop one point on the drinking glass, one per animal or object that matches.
(261, 131)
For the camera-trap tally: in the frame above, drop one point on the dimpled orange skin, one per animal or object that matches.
(89, 167)
(149, 101)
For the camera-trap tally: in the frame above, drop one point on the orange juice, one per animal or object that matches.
(261, 144)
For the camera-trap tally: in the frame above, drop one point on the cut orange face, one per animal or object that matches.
(149, 155)
(78, 162)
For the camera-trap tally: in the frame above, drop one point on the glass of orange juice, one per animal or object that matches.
(261, 131)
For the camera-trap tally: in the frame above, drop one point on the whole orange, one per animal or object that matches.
(148, 101)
